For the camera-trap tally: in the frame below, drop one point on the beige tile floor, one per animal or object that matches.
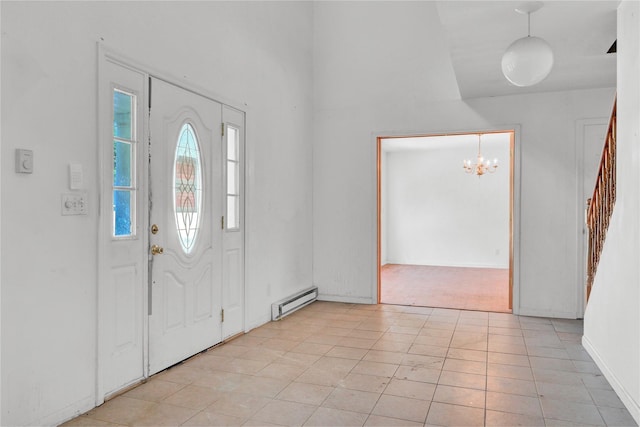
(334, 364)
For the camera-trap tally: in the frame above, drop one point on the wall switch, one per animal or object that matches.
(24, 161)
(75, 176)
(74, 204)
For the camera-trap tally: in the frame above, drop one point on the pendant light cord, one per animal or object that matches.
(529, 24)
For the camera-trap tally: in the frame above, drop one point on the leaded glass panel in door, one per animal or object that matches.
(187, 188)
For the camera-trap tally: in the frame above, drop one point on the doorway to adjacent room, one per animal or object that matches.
(445, 237)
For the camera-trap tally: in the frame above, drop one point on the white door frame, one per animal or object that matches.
(106, 56)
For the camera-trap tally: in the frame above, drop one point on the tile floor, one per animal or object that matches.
(465, 288)
(334, 364)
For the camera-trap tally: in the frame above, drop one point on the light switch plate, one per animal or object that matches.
(75, 176)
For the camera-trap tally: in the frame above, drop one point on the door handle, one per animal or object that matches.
(156, 250)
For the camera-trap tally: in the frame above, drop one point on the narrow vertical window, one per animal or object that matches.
(187, 187)
(233, 179)
(124, 191)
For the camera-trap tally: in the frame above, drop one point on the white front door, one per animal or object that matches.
(186, 201)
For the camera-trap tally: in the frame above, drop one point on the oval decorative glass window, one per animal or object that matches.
(187, 187)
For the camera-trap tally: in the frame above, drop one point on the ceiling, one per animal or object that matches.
(579, 32)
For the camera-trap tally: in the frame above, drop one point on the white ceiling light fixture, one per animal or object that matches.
(528, 60)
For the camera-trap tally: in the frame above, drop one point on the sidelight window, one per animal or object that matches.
(124, 142)
(233, 178)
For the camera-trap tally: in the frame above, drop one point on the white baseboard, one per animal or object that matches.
(632, 406)
(348, 299)
(68, 413)
(544, 313)
(257, 323)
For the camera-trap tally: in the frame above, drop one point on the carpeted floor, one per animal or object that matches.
(485, 289)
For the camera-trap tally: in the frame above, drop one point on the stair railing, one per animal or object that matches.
(600, 205)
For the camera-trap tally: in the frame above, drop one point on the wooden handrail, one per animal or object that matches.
(600, 205)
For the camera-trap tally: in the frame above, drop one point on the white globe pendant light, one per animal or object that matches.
(527, 61)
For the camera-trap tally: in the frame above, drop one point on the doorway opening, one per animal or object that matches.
(445, 237)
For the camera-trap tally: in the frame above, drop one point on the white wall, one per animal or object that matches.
(384, 203)
(345, 186)
(612, 319)
(439, 215)
(253, 55)
(0, 243)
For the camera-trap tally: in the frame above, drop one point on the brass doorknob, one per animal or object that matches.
(155, 249)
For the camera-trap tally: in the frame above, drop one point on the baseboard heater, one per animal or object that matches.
(295, 302)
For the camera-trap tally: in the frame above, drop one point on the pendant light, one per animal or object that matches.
(527, 61)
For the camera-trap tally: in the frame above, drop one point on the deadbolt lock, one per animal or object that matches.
(156, 250)
(154, 229)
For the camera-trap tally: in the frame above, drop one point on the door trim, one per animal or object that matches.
(514, 204)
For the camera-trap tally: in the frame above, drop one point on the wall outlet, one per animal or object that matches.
(74, 204)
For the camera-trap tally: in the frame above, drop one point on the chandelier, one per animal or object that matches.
(481, 166)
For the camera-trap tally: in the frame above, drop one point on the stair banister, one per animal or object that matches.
(600, 205)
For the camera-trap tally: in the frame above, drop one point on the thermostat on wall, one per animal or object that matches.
(24, 161)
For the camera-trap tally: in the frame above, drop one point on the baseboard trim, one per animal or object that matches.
(68, 413)
(256, 323)
(341, 298)
(520, 311)
(632, 406)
